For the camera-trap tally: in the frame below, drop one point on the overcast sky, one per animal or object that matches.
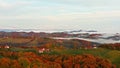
(102, 15)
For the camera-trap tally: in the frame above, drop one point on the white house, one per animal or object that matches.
(94, 46)
(6, 46)
(42, 50)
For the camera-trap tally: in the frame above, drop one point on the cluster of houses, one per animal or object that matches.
(91, 47)
(42, 50)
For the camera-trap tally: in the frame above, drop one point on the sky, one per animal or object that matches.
(101, 15)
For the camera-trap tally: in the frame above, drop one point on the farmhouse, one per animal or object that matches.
(42, 50)
(5, 46)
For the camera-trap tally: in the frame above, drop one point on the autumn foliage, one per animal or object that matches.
(32, 60)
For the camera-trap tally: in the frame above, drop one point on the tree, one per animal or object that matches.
(5, 63)
(24, 62)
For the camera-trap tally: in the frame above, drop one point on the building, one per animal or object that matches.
(42, 50)
(5, 46)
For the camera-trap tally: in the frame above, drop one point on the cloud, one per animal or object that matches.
(99, 15)
(5, 5)
(63, 17)
(89, 2)
(8, 5)
(59, 13)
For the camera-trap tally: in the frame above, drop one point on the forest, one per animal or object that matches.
(32, 60)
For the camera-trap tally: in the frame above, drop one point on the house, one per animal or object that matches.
(42, 50)
(5, 46)
(94, 46)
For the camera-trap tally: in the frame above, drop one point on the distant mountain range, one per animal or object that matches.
(89, 35)
(31, 30)
(44, 30)
(81, 31)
